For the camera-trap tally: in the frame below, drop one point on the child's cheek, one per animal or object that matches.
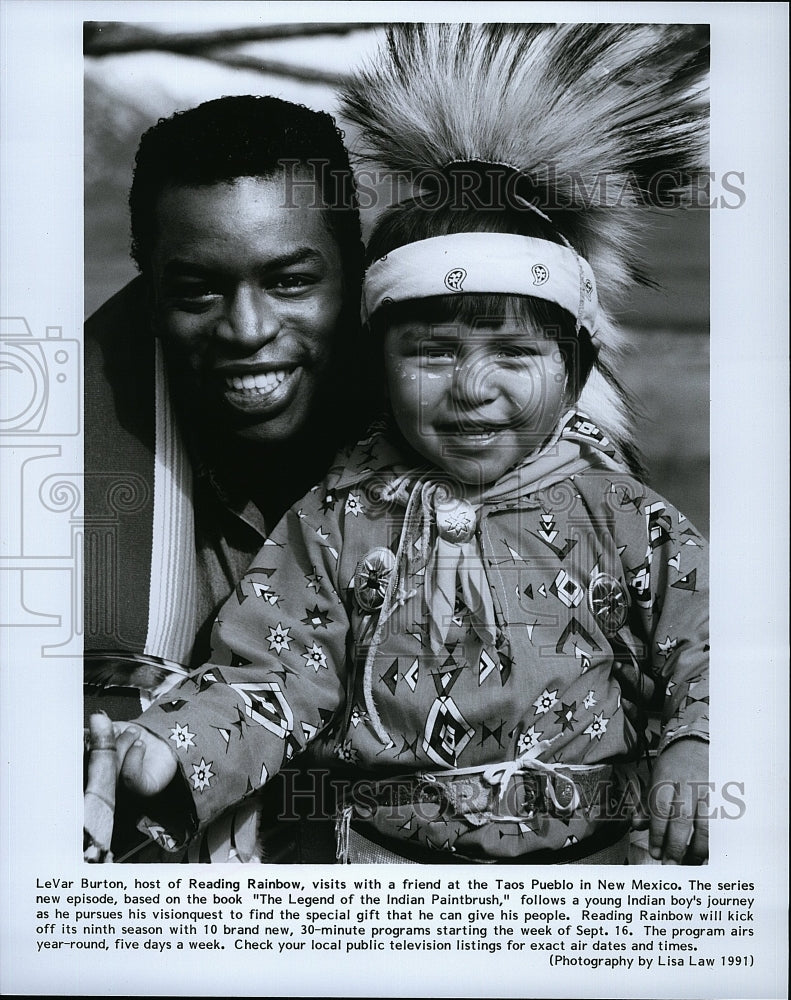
(535, 389)
(400, 371)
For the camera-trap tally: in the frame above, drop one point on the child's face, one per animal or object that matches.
(474, 401)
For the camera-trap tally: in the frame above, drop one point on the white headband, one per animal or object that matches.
(484, 262)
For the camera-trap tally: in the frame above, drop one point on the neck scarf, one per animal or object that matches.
(440, 533)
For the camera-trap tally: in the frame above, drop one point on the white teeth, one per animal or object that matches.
(261, 382)
(477, 435)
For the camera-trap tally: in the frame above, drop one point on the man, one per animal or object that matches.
(221, 381)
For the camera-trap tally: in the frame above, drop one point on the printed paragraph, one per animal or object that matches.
(681, 922)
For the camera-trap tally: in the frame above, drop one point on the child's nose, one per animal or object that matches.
(475, 380)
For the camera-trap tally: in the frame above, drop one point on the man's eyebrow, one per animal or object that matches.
(300, 255)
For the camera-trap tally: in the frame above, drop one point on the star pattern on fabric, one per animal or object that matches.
(346, 752)
(182, 737)
(564, 716)
(357, 716)
(528, 741)
(314, 579)
(279, 638)
(328, 503)
(545, 701)
(667, 647)
(316, 657)
(201, 775)
(590, 699)
(316, 618)
(354, 505)
(597, 728)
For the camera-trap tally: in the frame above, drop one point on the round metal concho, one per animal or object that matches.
(455, 520)
(371, 579)
(608, 602)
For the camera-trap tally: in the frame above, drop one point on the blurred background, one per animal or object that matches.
(136, 73)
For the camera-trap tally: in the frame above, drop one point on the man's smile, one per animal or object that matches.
(262, 382)
(261, 393)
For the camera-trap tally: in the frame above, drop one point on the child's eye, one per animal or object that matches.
(439, 355)
(514, 352)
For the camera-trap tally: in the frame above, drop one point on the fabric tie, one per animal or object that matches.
(455, 566)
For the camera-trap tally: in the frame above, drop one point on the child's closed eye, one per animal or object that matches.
(514, 351)
(439, 355)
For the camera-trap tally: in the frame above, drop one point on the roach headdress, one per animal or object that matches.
(583, 125)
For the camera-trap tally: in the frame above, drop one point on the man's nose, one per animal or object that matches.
(475, 379)
(250, 319)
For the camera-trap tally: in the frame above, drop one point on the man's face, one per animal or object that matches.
(247, 292)
(476, 400)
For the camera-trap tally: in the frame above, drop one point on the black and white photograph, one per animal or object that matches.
(517, 697)
(391, 440)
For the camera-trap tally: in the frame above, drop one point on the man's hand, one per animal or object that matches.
(146, 764)
(678, 829)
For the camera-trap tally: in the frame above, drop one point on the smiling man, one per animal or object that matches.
(248, 293)
(219, 383)
(222, 380)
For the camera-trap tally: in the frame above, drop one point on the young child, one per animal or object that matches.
(469, 618)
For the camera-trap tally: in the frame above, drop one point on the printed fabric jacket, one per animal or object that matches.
(599, 589)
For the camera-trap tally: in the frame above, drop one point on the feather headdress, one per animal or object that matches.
(598, 121)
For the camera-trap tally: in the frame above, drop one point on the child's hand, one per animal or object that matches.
(678, 804)
(146, 764)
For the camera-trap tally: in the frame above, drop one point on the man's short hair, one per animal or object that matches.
(247, 136)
